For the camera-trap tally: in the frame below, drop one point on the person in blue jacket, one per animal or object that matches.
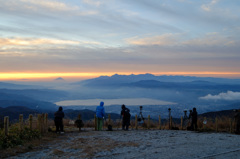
(100, 113)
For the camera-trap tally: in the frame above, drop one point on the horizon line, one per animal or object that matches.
(47, 75)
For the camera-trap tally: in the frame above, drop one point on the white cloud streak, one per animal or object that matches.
(208, 7)
(229, 95)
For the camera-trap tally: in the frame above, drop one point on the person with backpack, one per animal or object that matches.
(100, 113)
(125, 114)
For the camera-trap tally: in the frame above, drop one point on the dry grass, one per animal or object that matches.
(28, 146)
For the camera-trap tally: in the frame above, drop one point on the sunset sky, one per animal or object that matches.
(87, 38)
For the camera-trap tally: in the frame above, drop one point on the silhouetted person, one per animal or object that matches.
(237, 119)
(194, 116)
(125, 113)
(100, 113)
(58, 119)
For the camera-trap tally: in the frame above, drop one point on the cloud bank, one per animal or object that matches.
(229, 95)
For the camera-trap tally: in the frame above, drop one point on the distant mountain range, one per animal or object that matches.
(121, 79)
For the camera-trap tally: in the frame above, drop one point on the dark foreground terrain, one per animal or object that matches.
(167, 144)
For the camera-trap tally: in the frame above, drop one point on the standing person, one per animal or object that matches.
(237, 119)
(194, 116)
(58, 119)
(100, 113)
(125, 113)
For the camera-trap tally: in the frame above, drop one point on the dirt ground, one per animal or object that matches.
(166, 144)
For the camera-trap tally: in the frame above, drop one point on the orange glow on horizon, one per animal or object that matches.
(32, 76)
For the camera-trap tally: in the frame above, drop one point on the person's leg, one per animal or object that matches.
(61, 126)
(127, 125)
(57, 126)
(100, 124)
(123, 125)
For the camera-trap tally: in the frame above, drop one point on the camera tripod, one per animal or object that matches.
(140, 117)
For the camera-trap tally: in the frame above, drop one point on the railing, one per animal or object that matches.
(41, 123)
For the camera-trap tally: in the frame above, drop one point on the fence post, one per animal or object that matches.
(230, 122)
(216, 122)
(79, 119)
(148, 123)
(181, 123)
(109, 119)
(136, 122)
(170, 123)
(30, 121)
(42, 123)
(205, 124)
(39, 125)
(6, 125)
(159, 122)
(21, 122)
(95, 122)
(46, 122)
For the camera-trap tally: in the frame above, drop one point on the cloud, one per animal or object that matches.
(35, 41)
(43, 7)
(208, 7)
(209, 39)
(229, 95)
(93, 2)
(165, 39)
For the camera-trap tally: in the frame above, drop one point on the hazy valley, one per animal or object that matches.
(155, 93)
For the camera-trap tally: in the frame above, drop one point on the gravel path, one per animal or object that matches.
(166, 144)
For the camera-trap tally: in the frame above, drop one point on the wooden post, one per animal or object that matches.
(136, 122)
(170, 123)
(79, 118)
(109, 119)
(216, 122)
(21, 122)
(30, 121)
(46, 122)
(230, 122)
(204, 125)
(42, 123)
(181, 123)
(39, 124)
(148, 123)
(95, 122)
(6, 125)
(159, 122)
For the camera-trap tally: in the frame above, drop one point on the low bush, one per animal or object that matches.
(17, 137)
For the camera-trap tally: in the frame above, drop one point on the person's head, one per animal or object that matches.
(194, 109)
(101, 103)
(123, 106)
(60, 108)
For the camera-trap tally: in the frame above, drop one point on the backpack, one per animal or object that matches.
(127, 113)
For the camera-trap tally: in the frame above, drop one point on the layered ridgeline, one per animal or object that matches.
(34, 97)
(181, 92)
(155, 93)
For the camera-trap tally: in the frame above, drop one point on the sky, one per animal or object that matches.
(86, 38)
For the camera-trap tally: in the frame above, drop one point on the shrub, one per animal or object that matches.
(17, 137)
